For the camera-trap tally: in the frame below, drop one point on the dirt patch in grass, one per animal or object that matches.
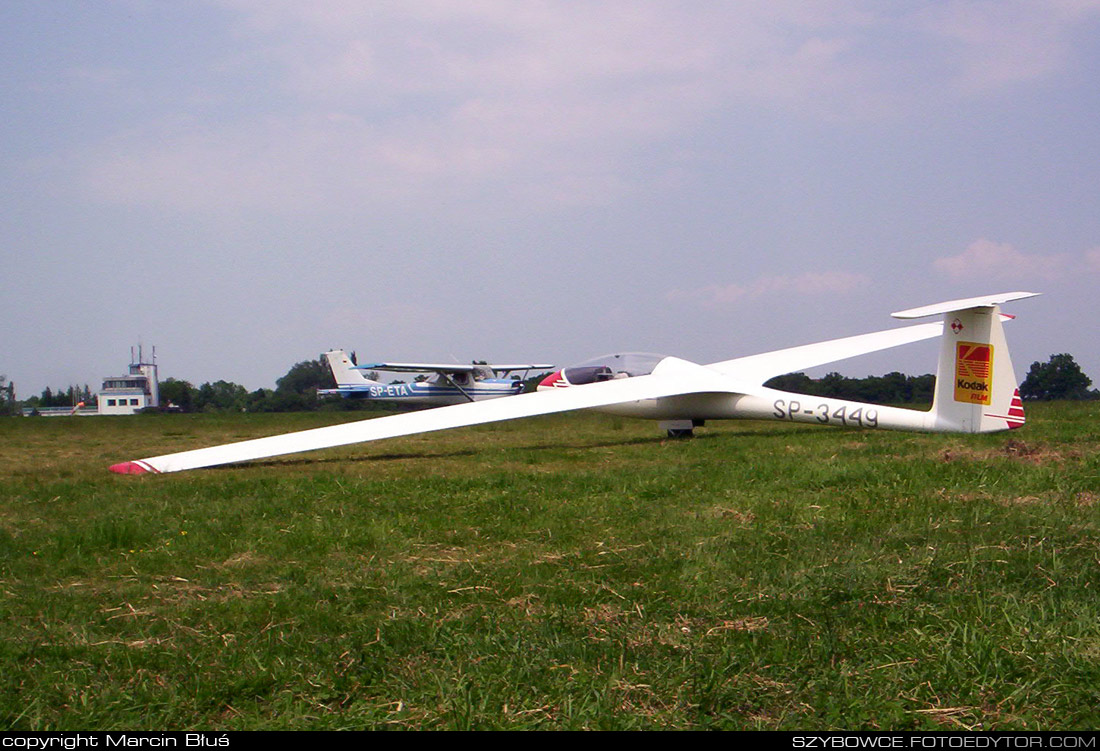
(442, 554)
(240, 560)
(1087, 499)
(742, 518)
(684, 633)
(530, 605)
(752, 623)
(1031, 453)
(1022, 500)
(601, 619)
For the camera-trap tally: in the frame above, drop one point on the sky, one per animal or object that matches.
(244, 184)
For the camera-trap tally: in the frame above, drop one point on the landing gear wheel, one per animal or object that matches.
(680, 428)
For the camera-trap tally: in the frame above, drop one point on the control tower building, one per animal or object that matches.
(125, 395)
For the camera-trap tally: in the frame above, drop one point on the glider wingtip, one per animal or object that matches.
(129, 468)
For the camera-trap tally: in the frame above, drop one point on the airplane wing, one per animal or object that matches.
(521, 366)
(671, 377)
(433, 367)
(419, 367)
(757, 369)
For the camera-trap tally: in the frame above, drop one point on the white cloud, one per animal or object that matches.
(544, 102)
(994, 44)
(719, 296)
(780, 50)
(189, 167)
(990, 260)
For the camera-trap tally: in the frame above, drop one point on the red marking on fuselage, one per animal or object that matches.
(131, 468)
(555, 380)
(1015, 417)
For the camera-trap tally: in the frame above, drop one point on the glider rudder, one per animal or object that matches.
(976, 389)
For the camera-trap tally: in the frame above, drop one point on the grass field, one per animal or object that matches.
(576, 571)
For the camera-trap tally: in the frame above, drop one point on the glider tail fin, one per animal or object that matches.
(976, 388)
(343, 369)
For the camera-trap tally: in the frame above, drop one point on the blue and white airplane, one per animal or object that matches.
(452, 384)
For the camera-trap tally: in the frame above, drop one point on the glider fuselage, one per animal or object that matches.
(758, 402)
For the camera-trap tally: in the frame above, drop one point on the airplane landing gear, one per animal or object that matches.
(681, 428)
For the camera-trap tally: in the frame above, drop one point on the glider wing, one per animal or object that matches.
(671, 377)
(757, 369)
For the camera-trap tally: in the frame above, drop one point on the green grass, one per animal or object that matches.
(569, 572)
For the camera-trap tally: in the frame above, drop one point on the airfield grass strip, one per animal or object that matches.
(574, 571)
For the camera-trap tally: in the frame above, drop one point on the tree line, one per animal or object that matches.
(1058, 378)
(294, 392)
(892, 388)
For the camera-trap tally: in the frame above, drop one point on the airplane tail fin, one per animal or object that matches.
(343, 369)
(976, 389)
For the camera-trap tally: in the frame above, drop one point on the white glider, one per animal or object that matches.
(975, 392)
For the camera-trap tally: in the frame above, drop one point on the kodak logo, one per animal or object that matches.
(973, 372)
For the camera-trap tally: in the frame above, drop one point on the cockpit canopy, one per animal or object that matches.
(607, 367)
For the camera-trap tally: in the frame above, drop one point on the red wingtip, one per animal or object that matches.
(128, 468)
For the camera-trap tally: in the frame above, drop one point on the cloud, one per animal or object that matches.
(992, 45)
(985, 259)
(538, 103)
(719, 296)
(1092, 259)
(194, 168)
(778, 50)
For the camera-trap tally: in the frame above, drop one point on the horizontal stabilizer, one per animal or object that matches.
(952, 306)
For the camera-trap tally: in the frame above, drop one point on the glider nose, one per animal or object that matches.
(553, 381)
(578, 375)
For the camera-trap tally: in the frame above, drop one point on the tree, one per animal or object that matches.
(7, 396)
(179, 393)
(798, 383)
(892, 388)
(306, 377)
(1059, 378)
(261, 400)
(297, 390)
(221, 396)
